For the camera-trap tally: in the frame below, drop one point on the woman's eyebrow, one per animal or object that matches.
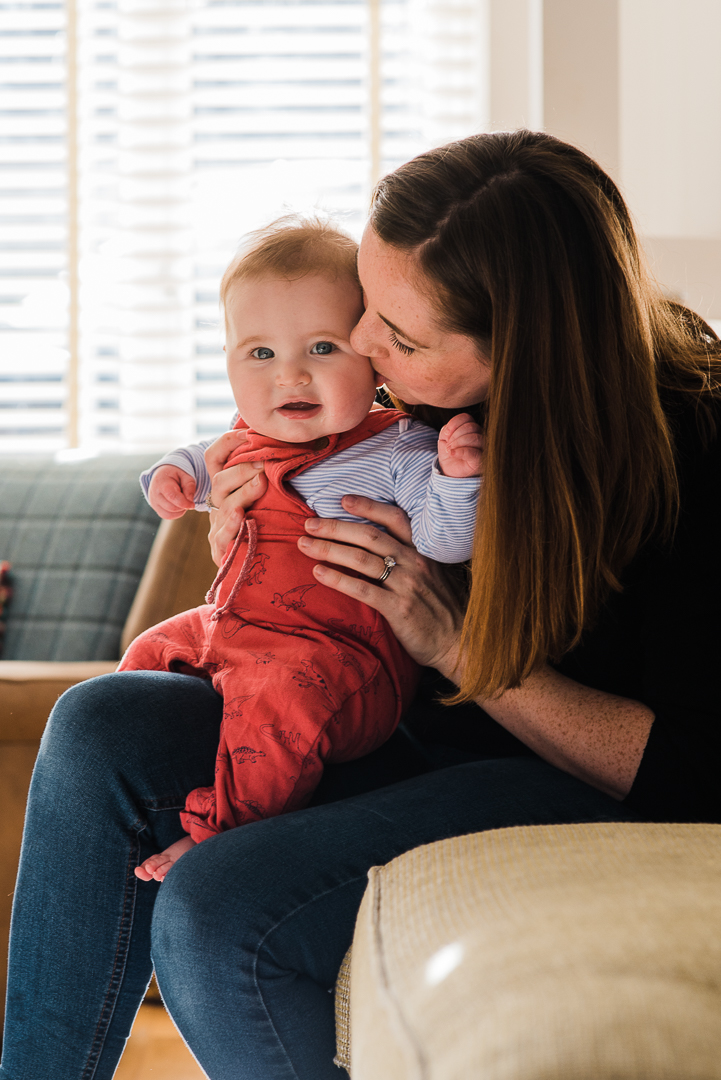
(403, 334)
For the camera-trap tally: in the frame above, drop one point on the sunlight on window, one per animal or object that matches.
(196, 120)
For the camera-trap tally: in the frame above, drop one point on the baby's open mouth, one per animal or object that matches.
(299, 408)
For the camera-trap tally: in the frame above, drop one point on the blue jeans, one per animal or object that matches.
(248, 931)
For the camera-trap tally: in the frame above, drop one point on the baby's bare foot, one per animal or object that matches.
(156, 867)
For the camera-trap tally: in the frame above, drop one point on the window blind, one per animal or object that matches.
(143, 138)
(33, 226)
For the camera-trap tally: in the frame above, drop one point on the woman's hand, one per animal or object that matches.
(232, 492)
(416, 598)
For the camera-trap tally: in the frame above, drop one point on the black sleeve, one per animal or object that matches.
(678, 601)
(658, 641)
(678, 779)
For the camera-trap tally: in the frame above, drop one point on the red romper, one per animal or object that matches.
(307, 674)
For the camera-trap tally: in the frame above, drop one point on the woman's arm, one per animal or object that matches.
(595, 736)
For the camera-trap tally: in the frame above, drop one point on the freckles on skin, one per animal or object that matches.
(417, 359)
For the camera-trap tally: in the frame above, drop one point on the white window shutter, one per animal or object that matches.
(196, 121)
(33, 227)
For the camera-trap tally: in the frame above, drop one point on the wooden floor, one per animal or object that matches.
(155, 1051)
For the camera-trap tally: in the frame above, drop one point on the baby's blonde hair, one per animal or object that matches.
(291, 247)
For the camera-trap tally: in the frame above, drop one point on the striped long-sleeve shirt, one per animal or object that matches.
(399, 465)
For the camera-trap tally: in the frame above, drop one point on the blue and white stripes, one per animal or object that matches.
(399, 465)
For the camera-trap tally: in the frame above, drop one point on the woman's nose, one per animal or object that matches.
(362, 338)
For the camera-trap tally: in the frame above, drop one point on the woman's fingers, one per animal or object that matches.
(415, 597)
(390, 517)
(369, 563)
(235, 478)
(219, 451)
(226, 519)
(416, 600)
(232, 491)
(357, 545)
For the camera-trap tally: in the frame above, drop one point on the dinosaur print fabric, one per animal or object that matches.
(307, 675)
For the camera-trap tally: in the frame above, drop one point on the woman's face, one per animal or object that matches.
(418, 361)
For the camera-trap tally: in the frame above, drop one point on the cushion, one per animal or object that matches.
(5, 594)
(575, 952)
(78, 535)
(342, 1014)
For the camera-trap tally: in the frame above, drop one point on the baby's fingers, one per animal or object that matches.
(466, 438)
(187, 489)
(170, 504)
(454, 424)
(467, 453)
(177, 497)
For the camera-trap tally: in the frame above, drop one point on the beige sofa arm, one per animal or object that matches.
(30, 688)
(590, 950)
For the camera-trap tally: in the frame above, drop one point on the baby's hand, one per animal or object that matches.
(460, 447)
(156, 867)
(171, 492)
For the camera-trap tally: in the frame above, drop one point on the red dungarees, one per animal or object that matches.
(307, 675)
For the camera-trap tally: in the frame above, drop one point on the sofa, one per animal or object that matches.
(92, 567)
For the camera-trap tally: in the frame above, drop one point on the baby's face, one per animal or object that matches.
(294, 373)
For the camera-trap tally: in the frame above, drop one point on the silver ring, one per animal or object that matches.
(209, 502)
(390, 563)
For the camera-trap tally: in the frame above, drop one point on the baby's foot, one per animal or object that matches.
(156, 867)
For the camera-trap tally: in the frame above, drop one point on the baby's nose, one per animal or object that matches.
(293, 375)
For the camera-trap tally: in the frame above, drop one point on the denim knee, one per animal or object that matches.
(81, 715)
(190, 899)
(121, 719)
(189, 937)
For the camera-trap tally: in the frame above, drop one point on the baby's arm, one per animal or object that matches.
(442, 508)
(178, 481)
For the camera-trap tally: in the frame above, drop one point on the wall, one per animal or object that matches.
(636, 83)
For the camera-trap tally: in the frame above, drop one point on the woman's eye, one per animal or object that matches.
(323, 348)
(262, 353)
(400, 345)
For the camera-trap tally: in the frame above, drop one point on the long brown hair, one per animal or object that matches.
(530, 250)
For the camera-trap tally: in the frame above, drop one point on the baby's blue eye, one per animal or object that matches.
(261, 353)
(323, 348)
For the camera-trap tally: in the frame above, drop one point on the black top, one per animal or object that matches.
(658, 642)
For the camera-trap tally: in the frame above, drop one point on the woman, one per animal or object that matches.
(501, 273)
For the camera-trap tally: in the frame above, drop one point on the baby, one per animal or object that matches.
(307, 675)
